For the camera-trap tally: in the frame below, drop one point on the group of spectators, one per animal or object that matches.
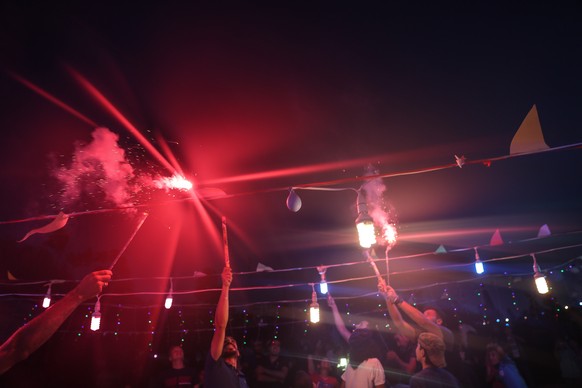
(418, 352)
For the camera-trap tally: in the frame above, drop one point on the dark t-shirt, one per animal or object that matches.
(219, 374)
(432, 377)
(277, 365)
(185, 377)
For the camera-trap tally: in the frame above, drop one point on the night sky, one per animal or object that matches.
(254, 98)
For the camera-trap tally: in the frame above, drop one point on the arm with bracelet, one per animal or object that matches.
(392, 303)
(395, 304)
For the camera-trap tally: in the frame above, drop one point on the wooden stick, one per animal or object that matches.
(225, 243)
(139, 224)
(375, 267)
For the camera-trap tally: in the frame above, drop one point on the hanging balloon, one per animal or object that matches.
(293, 201)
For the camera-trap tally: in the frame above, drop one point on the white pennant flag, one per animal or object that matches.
(59, 222)
(262, 267)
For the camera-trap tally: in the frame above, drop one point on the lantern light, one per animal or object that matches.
(96, 316)
(364, 223)
(47, 298)
(323, 283)
(169, 298)
(314, 307)
(539, 278)
(479, 268)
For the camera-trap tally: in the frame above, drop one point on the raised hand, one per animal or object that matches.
(93, 284)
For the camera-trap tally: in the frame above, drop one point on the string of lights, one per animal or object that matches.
(319, 269)
(310, 285)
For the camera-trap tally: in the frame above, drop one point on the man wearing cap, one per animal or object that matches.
(430, 352)
(222, 368)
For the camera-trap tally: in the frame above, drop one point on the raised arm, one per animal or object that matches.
(221, 316)
(419, 318)
(394, 303)
(337, 319)
(392, 299)
(33, 335)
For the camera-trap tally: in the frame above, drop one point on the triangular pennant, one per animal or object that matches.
(496, 238)
(544, 231)
(59, 222)
(441, 249)
(262, 267)
(529, 136)
(10, 276)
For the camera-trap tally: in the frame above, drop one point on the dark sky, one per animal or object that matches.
(257, 88)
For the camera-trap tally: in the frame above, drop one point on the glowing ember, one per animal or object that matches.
(390, 234)
(177, 182)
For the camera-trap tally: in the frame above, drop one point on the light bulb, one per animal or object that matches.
(479, 267)
(366, 233)
(95, 320)
(314, 307)
(169, 301)
(314, 313)
(540, 279)
(323, 284)
(364, 223)
(47, 298)
(541, 283)
(96, 316)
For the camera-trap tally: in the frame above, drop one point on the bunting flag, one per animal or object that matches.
(59, 222)
(262, 268)
(544, 231)
(441, 249)
(496, 238)
(529, 136)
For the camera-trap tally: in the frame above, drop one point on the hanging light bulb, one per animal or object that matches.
(96, 316)
(169, 298)
(323, 283)
(293, 201)
(169, 301)
(539, 278)
(314, 307)
(479, 268)
(47, 298)
(364, 223)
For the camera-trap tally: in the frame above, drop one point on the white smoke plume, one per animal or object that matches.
(98, 171)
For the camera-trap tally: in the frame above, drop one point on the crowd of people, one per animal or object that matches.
(418, 351)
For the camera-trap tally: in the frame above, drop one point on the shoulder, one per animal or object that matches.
(212, 363)
(373, 362)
